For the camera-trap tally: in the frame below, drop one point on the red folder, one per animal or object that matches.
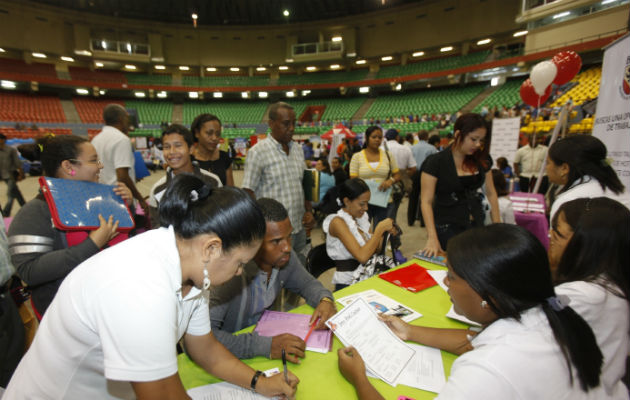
(413, 278)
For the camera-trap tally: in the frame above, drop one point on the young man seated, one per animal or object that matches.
(241, 301)
(176, 143)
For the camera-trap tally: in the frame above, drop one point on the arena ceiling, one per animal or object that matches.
(228, 12)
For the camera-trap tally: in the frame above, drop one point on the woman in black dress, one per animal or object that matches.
(206, 129)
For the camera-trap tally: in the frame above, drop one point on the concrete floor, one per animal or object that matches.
(413, 237)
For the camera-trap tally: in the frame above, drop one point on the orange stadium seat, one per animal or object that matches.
(91, 110)
(30, 108)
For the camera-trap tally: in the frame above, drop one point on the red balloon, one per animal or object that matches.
(568, 64)
(529, 95)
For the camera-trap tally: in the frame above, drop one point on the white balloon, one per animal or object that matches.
(542, 75)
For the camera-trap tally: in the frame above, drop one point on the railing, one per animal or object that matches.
(120, 47)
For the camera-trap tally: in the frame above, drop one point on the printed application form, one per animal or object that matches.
(383, 352)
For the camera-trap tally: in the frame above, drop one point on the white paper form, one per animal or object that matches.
(223, 391)
(382, 351)
(439, 276)
(377, 197)
(425, 371)
(382, 304)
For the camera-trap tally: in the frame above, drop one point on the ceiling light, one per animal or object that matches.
(418, 54)
(285, 13)
(607, 2)
(2, 50)
(104, 44)
(82, 91)
(184, 68)
(305, 92)
(211, 69)
(217, 95)
(337, 39)
(157, 59)
(311, 68)
(445, 49)
(140, 94)
(159, 67)
(283, 68)
(289, 60)
(562, 14)
(130, 66)
(8, 84)
(398, 87)
(291, 94)
(261, 69)
(494, 81)
(129, 47)
(387, 58)
(38, 55)
(263, 95)
(83, 52)
(102, 92)
(245, 95)
(235, 69)
(66, 58)
(99, 64)
(483, 41)
(161, 95)
(364, 89)
(335, 66)
(360, 62)
(194, 16)
(520, 33)
(351, 55)
(193, 95)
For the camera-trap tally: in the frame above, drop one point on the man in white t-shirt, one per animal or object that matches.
(527, 162)
(405, 161)
(116, 153)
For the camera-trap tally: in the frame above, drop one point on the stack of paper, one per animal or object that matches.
(439, 260)
(273, 323)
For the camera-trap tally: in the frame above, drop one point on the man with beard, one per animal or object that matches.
(241, 301)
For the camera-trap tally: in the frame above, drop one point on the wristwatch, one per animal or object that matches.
(252, 385)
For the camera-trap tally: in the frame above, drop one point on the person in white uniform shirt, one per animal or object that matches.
(527, 163)
(579, 163)
(588, 251)
(532, 346)
(112, 329)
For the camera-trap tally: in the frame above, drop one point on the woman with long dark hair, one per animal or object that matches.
(588, 251)
(450, 200)
(206, 129)
(579, 164)
(112, 329)
(532, 346)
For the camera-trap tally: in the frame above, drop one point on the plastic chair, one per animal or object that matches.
(318, 261)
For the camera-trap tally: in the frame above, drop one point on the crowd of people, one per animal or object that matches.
(114, 306)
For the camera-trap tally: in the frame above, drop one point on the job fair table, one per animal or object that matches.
(319, 373)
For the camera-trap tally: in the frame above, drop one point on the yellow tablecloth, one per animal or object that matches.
(319, 374)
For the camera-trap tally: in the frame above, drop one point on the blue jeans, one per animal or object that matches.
(13, 193)
(377, 214)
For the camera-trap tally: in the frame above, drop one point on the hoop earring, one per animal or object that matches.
(206, 278)
(73, 172)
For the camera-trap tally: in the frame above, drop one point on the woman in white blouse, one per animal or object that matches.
(349, 241)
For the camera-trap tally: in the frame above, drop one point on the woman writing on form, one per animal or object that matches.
(112, 329)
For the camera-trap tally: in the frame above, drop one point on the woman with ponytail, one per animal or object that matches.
(112, 329)
(579, 164)
(532, 344)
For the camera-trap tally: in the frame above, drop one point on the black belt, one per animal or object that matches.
(346, 265)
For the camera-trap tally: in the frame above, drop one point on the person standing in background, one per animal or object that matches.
(206, 129)
(11, 172)
(114, 149)
(527, 162)
(420, 152)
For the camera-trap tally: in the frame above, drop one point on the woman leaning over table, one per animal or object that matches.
(206, 129)
(579, 164)
(532, 346)
(112, 329)
(588, 252)
(449, 198)
(44, 255)
(375, 164)
(349, 241)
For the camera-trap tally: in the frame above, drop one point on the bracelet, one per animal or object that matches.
(328, 299)
(252, 385)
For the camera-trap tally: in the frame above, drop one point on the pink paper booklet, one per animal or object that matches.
(273, 323)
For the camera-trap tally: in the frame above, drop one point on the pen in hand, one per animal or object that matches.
(284, 365)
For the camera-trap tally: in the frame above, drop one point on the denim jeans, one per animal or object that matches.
(13, 193)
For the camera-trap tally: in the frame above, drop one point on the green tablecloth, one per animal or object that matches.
(319, 374)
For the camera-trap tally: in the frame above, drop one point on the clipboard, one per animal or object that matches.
(75, 205)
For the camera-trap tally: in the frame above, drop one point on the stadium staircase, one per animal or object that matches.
(479, 99)
(72, 116)
(178, 114)
(363, 109)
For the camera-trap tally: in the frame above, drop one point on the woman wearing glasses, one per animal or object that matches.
(44, 255)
